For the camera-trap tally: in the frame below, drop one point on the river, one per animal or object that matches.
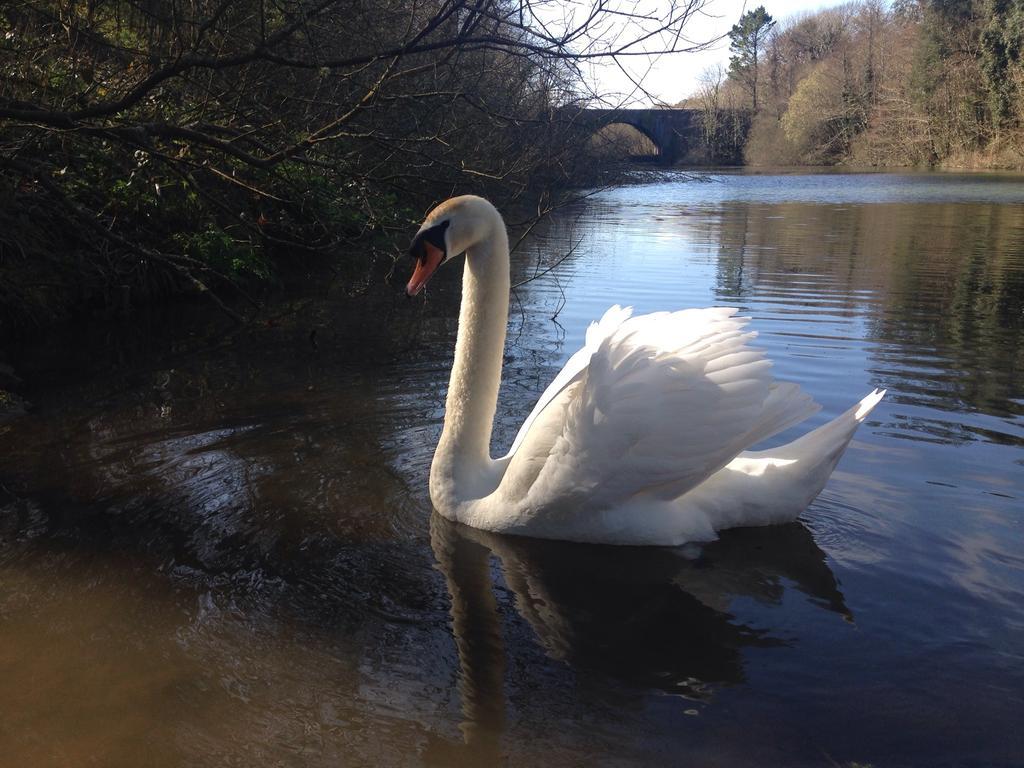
(216, 547)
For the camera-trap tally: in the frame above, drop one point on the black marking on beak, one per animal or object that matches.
(435, 236)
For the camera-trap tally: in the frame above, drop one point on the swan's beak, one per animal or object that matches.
(428, 259)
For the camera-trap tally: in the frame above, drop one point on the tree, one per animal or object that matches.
(708, 98)
(817, 120)
(151, 146)
(748, 38)
(946, 81)
(1002, 54)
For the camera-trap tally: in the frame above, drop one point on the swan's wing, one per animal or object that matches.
(666, 400)
(576, 365)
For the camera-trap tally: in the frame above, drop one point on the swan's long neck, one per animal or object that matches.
(462, 468)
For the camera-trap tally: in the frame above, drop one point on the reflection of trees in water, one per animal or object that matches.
(231, 460)
(649, 617)
(941, 287)
(211, 547)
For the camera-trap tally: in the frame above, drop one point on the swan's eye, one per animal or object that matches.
(433, 236)
(429, 251)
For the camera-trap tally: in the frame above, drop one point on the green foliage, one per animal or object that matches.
(943, 30)
(816, 119)
(1002, 59)
(913, 82)
(747, 40)
(926, 74)
(235, 257)
(150, 147)
(946, 83)
(952, 11)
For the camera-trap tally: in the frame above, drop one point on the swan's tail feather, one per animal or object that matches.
(865, 406)
(775, 485)
(827, 442)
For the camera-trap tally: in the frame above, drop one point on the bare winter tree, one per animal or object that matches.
(183, 142)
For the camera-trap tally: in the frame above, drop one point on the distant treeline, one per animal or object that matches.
(911, 83)
(150, 147)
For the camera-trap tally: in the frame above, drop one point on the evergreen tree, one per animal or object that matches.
(1002, 52)
(747, 40)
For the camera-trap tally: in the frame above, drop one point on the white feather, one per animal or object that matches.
(643, 436)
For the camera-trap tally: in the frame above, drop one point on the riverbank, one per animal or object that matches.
(996, 157)
(363, 290)
(150, 151)
(351, 298)
(917, 84)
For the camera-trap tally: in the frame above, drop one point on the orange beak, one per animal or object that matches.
(426, 265)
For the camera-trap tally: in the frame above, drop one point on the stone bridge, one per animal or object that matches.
(672, 131)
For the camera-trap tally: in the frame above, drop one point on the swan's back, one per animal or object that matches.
(662, 403)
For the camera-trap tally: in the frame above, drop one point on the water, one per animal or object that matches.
(216, 548)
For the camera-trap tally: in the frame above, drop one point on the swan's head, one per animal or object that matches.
(450, 229)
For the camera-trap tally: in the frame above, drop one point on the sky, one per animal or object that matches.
(674, 77)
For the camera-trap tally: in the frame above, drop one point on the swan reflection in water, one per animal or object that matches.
(655, 618)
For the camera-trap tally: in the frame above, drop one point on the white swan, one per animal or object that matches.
(640, 439)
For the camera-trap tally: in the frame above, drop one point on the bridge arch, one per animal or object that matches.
(637, 141)
(672, 131)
